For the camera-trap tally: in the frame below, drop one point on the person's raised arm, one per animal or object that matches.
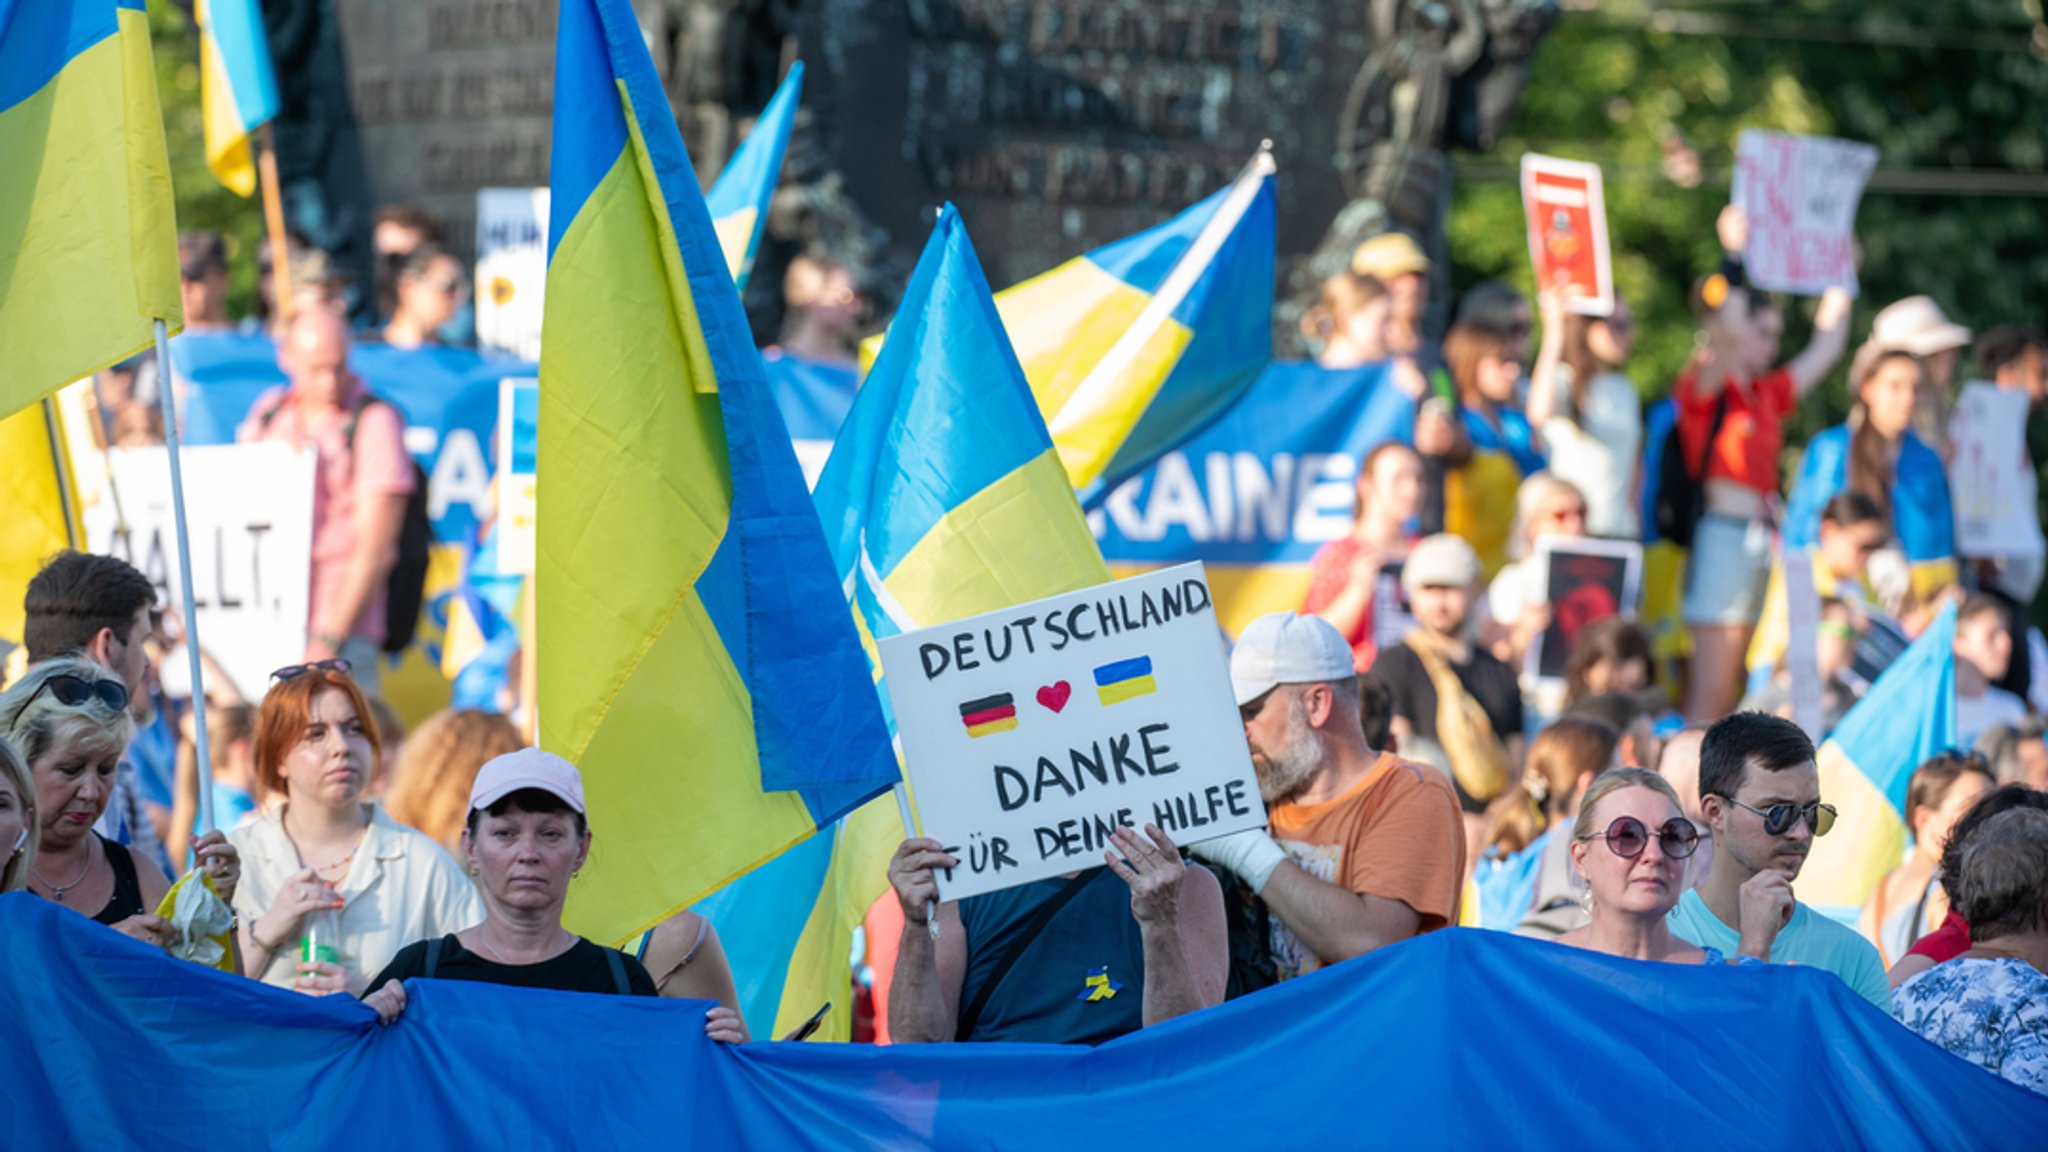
(1332, 921)
(1824, 349)
(1179, 911)
(1543, 378)
(924, 995)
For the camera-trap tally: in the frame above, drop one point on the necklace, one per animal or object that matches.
(341, 864)
(57, 891)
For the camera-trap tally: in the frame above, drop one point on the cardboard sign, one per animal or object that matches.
(249, 508)
(1030, 734)
(1567, 213)
(518, 448)
(511, 269)
(1800, 194)
(1989, 480)
(1585, 581)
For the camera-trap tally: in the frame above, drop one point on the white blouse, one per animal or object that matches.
(401, 887)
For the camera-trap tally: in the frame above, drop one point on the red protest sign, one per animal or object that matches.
(1567, 216)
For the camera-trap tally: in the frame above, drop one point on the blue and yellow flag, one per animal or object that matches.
(1132, 348)
(237, 88)
(943, 498)
(1907, 718)
(88, 234)
(739, 200)
(693, 647)
(38, 491)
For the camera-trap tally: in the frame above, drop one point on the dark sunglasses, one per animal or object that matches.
(1627, 837)
(294, 671)
(73, 691)
(1779, 818)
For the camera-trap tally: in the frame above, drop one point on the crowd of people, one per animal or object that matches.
(1417, 776)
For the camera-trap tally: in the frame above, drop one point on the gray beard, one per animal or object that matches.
(1290, 767)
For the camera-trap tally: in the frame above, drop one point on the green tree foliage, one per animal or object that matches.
(1950, 93)
(202, 202)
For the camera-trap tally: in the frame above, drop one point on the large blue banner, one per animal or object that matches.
(1459, 1039)
(1260, 489)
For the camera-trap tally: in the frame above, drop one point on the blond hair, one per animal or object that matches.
(37, 722)
(14, 872)
(438, 765)
(1614, 780)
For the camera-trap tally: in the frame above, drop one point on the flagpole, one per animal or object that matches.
(57, 455)
(163, 375)
(273, 222)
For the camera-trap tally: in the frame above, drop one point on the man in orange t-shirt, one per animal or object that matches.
(1365, 850)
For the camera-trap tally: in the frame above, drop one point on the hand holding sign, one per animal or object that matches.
(1153, 870)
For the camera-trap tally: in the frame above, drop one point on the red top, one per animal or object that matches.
(1945, 943)
(1329, 572)
(1751, 434)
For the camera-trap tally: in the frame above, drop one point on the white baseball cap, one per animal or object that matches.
(1287, 648)
(1440, 561)
(527, 768)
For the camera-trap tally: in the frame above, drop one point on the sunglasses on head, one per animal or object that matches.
(73, 691)
(1628, 836)
(1779, 818)
(294, 671)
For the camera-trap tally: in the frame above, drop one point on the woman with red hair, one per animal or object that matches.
(333, 887)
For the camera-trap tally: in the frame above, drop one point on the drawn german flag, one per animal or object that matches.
(989, 715)
(1125, 680)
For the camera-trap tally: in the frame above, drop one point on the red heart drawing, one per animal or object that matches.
(1054, 696)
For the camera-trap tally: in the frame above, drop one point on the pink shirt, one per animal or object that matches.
(380, 467)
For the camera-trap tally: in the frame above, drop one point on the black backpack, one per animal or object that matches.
(406, 586)
(1682, 489)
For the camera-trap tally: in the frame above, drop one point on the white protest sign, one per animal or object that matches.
(1800, 194)
(1029, 735)
(511, 269)
(250, 511)
(1989, 481)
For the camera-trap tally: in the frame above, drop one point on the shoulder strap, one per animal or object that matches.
(616, 961)
(1046, 912)
(433, 957)
(1713, 432)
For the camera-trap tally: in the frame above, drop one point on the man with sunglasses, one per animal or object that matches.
(102, 608)
(1760, 794)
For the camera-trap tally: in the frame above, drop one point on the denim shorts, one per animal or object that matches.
(1728, 570)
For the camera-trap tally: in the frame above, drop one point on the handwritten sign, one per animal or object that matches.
(1988, 477)
(1800, 194)
(1567, 214)
(250, 511)
(1585, 581)
(511, 269)
(1031, 734)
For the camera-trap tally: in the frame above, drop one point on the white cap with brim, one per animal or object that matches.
(1287, 648)
(527, 768)
(1441, 561)
(1917, 325)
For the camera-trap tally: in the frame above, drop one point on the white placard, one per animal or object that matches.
(1800, 194)
(1989, 481)
(249, 508)
(511, 269)
(1030, 734)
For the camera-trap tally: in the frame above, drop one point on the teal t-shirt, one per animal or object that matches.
(1809, 938)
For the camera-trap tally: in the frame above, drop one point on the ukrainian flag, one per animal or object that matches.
(693, 649)
(37, 489)
(237, 88)
(88, 235)
(1907, 718)
(943, 498)
(739, 200)
(1923, 521)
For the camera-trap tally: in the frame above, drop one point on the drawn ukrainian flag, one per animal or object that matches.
(237, 87)
(1907, 718)
(88, 233)
(693, 647)
(943, 498)
(739, 199)
(1125, 680)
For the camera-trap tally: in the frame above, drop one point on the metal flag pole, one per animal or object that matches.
(164, 396)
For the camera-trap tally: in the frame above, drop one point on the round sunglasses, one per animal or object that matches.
(1628, 836)
(1779, 818)
(294, 671)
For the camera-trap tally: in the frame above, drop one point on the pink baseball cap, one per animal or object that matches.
(527, 768)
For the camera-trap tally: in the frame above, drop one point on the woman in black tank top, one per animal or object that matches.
(126, 899)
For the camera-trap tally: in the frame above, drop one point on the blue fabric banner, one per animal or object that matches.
(1458, 1039)
(1257, 492)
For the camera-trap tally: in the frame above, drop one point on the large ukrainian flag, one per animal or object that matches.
(37, 490)
(943, 498)
(739, 200)
(1907, 718)
(237, 87)
(88, 235)
(694, 649)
